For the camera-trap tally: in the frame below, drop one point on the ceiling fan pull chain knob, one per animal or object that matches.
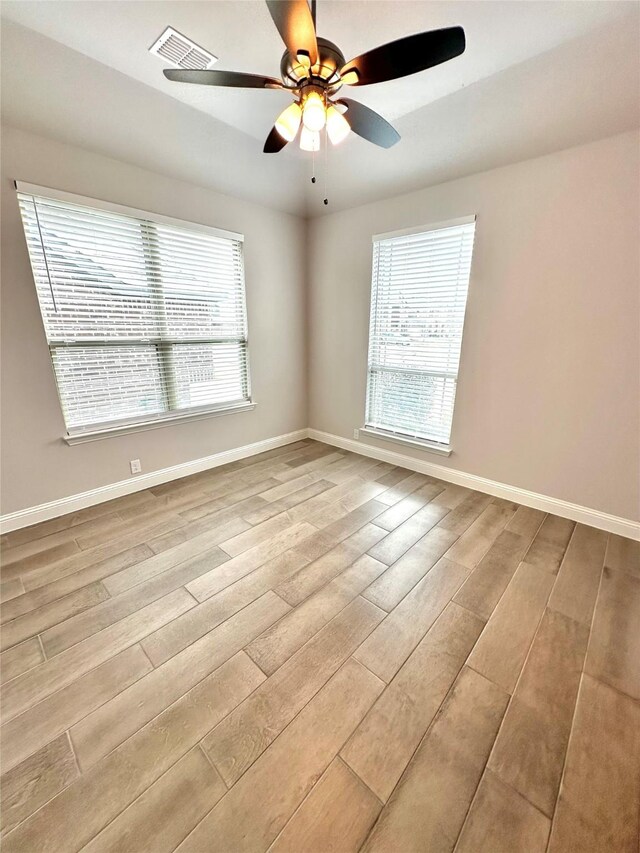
(325, 200)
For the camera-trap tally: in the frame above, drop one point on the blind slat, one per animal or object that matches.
(142, 318)
(418, 302)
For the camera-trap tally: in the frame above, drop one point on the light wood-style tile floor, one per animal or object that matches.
(310, 651)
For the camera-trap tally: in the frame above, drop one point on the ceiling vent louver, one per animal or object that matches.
(181, 52)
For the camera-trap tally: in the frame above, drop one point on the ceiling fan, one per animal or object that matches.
(314, 69)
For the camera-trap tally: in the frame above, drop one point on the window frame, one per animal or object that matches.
(398, 437)
(110, 428)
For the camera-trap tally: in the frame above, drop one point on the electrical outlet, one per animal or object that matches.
(356, 434)
(136, 467)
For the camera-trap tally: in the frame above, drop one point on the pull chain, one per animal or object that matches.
(326, 165)
(313, 167)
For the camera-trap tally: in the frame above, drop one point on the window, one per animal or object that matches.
(418, 300)
(145, 318)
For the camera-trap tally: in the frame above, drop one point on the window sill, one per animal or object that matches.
(428, 446)
(140, 426)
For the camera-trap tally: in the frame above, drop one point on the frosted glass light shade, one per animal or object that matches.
(313, 112)
(310, 140)
(338, 127)
(288, 122)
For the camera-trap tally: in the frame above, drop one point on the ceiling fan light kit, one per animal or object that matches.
(309, 139)
(313, 69)
(288, 122)
(314, 110)
(338, 127)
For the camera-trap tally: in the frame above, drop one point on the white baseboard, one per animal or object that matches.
(585, 515)
(73, 503)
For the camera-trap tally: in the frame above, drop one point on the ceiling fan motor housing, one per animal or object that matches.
(324, 73)
(313, 86)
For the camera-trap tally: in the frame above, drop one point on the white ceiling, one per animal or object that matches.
(243, 37)
(536, 76)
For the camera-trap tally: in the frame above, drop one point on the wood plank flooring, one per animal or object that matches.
(311, 651)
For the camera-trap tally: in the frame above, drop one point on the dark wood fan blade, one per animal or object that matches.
(406, 56)
(294, 22)
(369, 125)
(274, 142)
(206, 77)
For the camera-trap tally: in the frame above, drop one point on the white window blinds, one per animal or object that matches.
(145, 319)
(418, 300)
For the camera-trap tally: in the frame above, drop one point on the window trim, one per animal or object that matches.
(111, 207)
(399, 438)
(424, 444)
(111, 429)
(143, 424)
(420, 229)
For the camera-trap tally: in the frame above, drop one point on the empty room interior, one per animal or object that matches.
(320, 409)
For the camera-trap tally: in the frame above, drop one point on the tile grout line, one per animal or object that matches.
(151, 664)
(213, 473)
(303, 706)
(491, 544)
(176, 565)
(375, 675)
(520, 675)
(92, 669)
(200, 747)
(486, 769)
(612, 687)
(271, 589)
(350, 768)
(492, 682)
(472, 612)
(4, 835)
(577, 702)
(339, 759)
(105, 628)
(278, 736)
(427, 731)
(132, 735)
(389, 613)
(70, 729)
(163, 510)
(44, 654)
(110, 599)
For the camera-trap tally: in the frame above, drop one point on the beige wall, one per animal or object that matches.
(37, 466)
(549, 378)
(548, 389)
